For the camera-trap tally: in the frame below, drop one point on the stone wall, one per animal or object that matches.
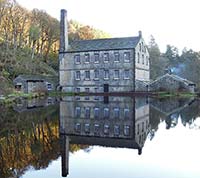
(172, 84)
(69, 67)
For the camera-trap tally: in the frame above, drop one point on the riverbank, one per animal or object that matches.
(16, 96)
(10, 99)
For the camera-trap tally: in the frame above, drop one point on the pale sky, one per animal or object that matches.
(174, 22)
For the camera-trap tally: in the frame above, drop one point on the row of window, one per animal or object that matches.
(142, 47)
(104, 112)
(87, 90)
(106, 129)
(143, 59)
(105, 58)
(106, 74)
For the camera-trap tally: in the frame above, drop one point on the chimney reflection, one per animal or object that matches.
(121, 122)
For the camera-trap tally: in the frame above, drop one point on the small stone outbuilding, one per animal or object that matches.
(35, 83)
(172, 83)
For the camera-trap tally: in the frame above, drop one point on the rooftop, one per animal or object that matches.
(104, 44)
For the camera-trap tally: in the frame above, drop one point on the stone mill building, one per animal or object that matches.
(102, 65)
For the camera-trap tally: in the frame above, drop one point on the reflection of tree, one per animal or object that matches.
(28, 139)
(189, 114)
(166, 110)
(76, 147)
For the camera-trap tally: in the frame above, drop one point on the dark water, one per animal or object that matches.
(100, 137)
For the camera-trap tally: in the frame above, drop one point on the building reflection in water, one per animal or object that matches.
(112, 122)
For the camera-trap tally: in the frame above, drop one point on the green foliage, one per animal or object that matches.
(79, 31)
(186, 65)
(158, 62)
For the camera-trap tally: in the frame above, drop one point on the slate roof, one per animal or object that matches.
(175, 77)
(37, 77)
(104, 44)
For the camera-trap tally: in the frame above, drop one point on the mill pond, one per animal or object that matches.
(96, 136)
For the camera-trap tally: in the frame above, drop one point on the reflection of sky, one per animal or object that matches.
(173, 153)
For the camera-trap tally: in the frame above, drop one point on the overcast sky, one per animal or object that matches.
(174, 22)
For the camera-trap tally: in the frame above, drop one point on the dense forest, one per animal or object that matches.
(29, 43)
(29, 40)
(185, 64)
(29, 139)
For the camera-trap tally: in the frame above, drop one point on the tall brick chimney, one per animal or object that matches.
(63, 31)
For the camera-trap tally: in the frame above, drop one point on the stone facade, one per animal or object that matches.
(35, 83)
(172, 83)
(120, 118)
(120, 122)
(102, 65)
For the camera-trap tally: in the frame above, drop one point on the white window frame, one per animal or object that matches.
(118, 57)
(77, 56)
(76, 74)
(95, 57)
(127, 56)
(106, 57)
(106, 77)
(96, 71)
(87, 58)
(126, 77)
(116, 77)
(87, 77)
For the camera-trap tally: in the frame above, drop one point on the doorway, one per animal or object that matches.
(106, 88)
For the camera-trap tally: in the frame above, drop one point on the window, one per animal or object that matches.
(106, 74)
(87, 112)
(96, 91)
(106, 57)
(77, 127)
(78, 90)
(142, 126)
(49, 86)
(96, 128)
(87, 58)
(126, 74)
(77, 59)
(106, 112)
(116, 113)
(138, 129)
(127, 57)
(106, 129)
(78, 75)
(96, 113)
(87, 90)
(77, 112)
(87, 128)
(142, 58)
(126, 130)
(140, 47)
(116, 130)
(116, 57)
(96, 58)
(116, 74)
(126, 113)
(96, 74)
(147, 61)
(138, 57)
(87, 75)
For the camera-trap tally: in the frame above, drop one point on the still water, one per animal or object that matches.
(101, 137)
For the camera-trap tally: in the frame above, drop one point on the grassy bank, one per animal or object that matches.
(174, 94)
(16, 96)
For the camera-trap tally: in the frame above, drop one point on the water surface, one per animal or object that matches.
(100, 137)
